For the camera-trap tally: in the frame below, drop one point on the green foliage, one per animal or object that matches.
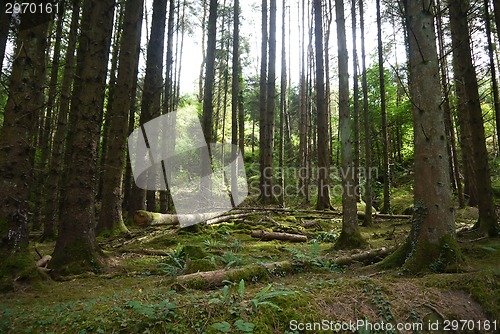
(175, 263)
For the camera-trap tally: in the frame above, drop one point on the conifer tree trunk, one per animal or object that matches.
(323, 201)
(303, 119)
(494, 82)
(283, 106)
(53, 186)
(469, 105)
(110, 219)
(151, 96)
(355, 99)
(26, 86)
(366, 124)
(431, 244)
(450, 128)
(350, 236)
(235, 99)
(76, 248)
(45, 135)
(386, 208)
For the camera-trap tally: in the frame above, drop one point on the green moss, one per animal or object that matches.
(397, 258)
(194, 252)
(17, 268)
(78, 258)
(350, 241)
(195, 266)
(197, 284)
(252, 273)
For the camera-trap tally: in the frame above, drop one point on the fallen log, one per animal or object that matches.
(263, 235)
(147, 218)
(363, 256)
(361, 215)
(215, 278)
(212, 279)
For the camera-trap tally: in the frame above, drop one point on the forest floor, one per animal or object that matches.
(139, 294)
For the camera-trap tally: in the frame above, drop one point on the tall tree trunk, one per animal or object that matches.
(431, 245)
(151, 96)
(450, 128)
(323, 201)
(52, 185)
(235, 100)
(494, 82)
(469, 105)
(303, 138)
(355, 99)
(25, 89)
(104, 120)
(268, 152)
(169, 96)
(366, 124)
(76, 248)
(283, 106)
(45, 142)
(386, 207)
(204, 54)
(208, 107)
(263, 100)
(110, 219)
(350, 236)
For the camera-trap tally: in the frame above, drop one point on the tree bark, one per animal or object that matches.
(323, 201)
(53, 183)
(235, 100)
(76, 248)
(110, 219)
(386, 208)
(151, 95)
(494, 82)
(366, 124)
(469, 105)
(350, 236)
(431, 245)
(208, 107)
(25, 89)
(355, 99)
(450, 127)
(263, 235)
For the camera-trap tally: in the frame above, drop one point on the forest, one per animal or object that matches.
(227, 166)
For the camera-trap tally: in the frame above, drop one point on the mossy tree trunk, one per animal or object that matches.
(76, 247)
(431, 244)
(350, 236)
(24, 102)
(110, 219)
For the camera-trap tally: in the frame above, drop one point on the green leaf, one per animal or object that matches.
(245, 327)
(224, 327)
(241, 289)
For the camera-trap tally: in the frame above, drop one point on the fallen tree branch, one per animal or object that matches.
(263, 235)
(147, 218)
(363, 256)
(215, 278)
(361, 215)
